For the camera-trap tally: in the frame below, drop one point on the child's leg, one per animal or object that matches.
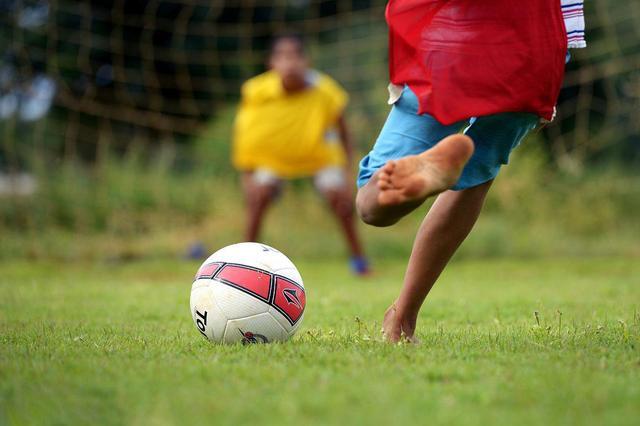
(332, 184)
(402, 185)
(341, 205)
(414, 157)
(259, 195)
(445, 227)
(453, 215)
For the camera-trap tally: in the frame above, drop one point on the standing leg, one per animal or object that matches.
(259, 195)
(332, 185)
(445, 227)
(341, 205)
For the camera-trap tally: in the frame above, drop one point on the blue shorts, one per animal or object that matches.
(407, 133)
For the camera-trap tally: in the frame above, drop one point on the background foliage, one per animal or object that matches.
(133, 156)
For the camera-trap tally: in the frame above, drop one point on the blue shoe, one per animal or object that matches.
(359, 265)
(196, 251)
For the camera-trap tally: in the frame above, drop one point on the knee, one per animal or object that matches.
(344, 208)
(340, 201)
(261, 196)
(377, 221)
(368, 215)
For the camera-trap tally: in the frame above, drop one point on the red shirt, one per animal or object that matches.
(468, 58)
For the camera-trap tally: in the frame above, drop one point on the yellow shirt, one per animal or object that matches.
(290, 134)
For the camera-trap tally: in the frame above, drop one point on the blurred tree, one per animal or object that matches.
(149, 71)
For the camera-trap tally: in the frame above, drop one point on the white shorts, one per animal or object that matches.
(325, 180)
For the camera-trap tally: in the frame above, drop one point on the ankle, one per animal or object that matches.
(406, 316)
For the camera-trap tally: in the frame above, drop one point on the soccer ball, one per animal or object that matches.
(248, 293)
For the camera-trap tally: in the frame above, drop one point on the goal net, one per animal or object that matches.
(80, 78)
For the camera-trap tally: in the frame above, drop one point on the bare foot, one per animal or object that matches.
(395, 329)
(416, 177)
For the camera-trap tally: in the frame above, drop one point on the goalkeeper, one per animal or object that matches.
(290, 124)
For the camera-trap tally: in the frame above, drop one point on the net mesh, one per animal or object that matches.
(81, 78)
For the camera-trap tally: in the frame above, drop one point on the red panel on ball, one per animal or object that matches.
(208, 270)
(289, 298)
(254, 281)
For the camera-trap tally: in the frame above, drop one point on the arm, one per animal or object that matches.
(345, 139)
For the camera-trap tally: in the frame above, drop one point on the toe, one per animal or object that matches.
(388, 167)
(384, 185)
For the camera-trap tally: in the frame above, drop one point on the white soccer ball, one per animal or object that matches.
(249, 293)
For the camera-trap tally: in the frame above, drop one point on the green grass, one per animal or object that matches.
(153, 206)
(108, 343)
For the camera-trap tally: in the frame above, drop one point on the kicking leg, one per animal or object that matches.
(445, 227)
(258, 197)
(402, 185)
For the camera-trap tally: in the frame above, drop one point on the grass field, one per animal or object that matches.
(101, 343)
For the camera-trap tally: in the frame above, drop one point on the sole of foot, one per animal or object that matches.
(417, 177)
